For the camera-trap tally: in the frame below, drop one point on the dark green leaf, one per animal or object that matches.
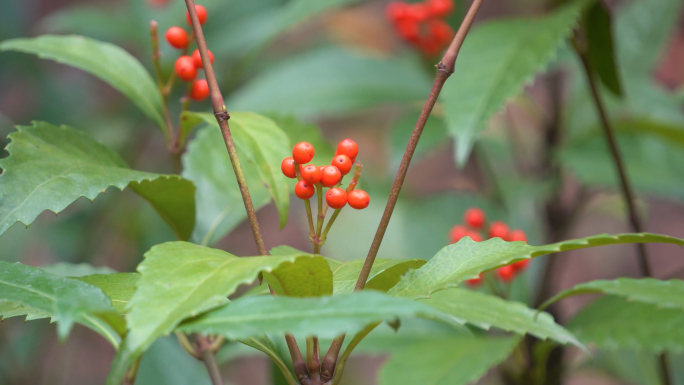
(598, 26)
(384, 274)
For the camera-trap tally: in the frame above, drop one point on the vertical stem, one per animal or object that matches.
(204, 347)
(154, 37)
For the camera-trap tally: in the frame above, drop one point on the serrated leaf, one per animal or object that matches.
(49, 167)
(106, 61)
(497, 59)
(598, 26)
(616, 323)
(486, 311)
(119, 287)
(180, 280)
(446, 361)
(466, 259)
(384, 274)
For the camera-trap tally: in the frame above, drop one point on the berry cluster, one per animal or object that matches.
(186, 66)
(476, 221)
(422, 24)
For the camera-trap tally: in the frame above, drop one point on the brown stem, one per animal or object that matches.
(298, 363)
(207, 354)
(313, 362)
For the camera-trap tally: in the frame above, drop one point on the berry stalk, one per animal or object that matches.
(154, 37)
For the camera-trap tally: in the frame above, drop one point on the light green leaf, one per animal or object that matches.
(180, 280)
(106, 61)
(49, 167)
(446, 361)
(119, 287)
(307, 278)
(617, 323)
(466, 259)
(384, 274)
(66, 269)
(497, 59)
(598, 26)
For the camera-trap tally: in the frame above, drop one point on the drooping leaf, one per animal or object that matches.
(445, 361)
(179, 280)
(466, 259)
(49, 167)
(66, 269)
(497, 59)
(119, 287)
(598, 26)
(106, 61)
(384, 274)
(616, 323)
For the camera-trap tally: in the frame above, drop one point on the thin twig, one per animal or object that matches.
(154, 37)
(207, 354)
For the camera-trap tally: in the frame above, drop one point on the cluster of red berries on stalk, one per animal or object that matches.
(476, 221)
(186, 66)
(421, 24)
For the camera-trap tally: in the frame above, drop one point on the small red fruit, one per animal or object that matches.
(475, 281)
(185, 68)
(358, 199)
(201, 14)
(521, 265)
(343, 163)
(330, 176)
(441, 31)
(311, 174)
(303, 152)
(440, 8)
(288, 167)
(475, 236)
(517, 235)
(177, 37)
(336, 198)
(506, 273)
(419, 11)
(349, 148)
(304, 190)
(498, 229)
(197, 58)
(200, 90)
(397, 10)
(457, 232)
(474, 217)
(409, 30)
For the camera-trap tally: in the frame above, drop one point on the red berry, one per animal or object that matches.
(343, 163)
(475, 236)
(185, 68)
(177, 37)
(304, 190)
(303, 152)
(349, 148)
(517, 235)
(474, 217)
(429, 45)
(311, 174)
(457, 232)
(330, 176)
(498, 229)
(200, 90)
(475, 281)
(197, 58)
(336, 198)
(397, 10)
(440, 8)
(409, 30)
(358, 199)
(506, 273)
(521, 265)
(419, 11)
(441, 32)
(288, 167)
(201, 14)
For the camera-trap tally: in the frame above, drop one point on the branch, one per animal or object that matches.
(207, 356)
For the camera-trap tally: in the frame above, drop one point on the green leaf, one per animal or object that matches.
(326, 317)
(497, 59)
(65, 164)
(261, 146)
(299, 131)
(616, 323)
(598, 26)
(180, 280)
(106, 61)
(466, 259)
(307, 278)
(447, 361)
(265, 345)
(485, 311)
(66, 269)
(384, 274)
(119, 287)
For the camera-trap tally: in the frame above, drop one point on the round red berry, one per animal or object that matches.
(330, 176)
(200, 90)
(336, 198)
(475, 236)
(311, 174)
(304, 190)
(343, 163)
(288, 167)
(397, 10)
(457, 232)
(475, 281)
(349, 148)
(474, 217)
(201, 14)
(517, 235)
(440, 8)
(498, 229)
(185, 68)
(409, 30)
(521, 265)
(441, 32)
(177, 37)
(197, 58)
(358, 199)
(303, 152)
(506, 273)
(419, 11)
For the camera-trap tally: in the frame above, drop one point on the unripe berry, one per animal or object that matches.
(201, 15)
(304, 190)
(349, 148)
(517, 235)
(199, 90)
(475, 281)
(330, 176)
(474, 217)
(498, 229)
(457, 232)
(185, 68)
(303, 152)
(177, 37)
(336, 198)
(197, 58)
(521, 265)
(343, 163)
(475, 236)
(506, 273)
(288, 167)
(358, 199)
(440, 8)
(311, 174)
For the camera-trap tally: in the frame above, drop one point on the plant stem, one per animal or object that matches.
(313, 362)
(204, 350)
(154, 37)
(320, 218)
(298, 364)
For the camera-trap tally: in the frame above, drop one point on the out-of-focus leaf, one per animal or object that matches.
(167, 363)
(265, 345)
(299, 131)
(66, 269)
(434, 135)
(63, 164)
(598, 26)
(106, 61)
(119, 287)
(384, 274)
